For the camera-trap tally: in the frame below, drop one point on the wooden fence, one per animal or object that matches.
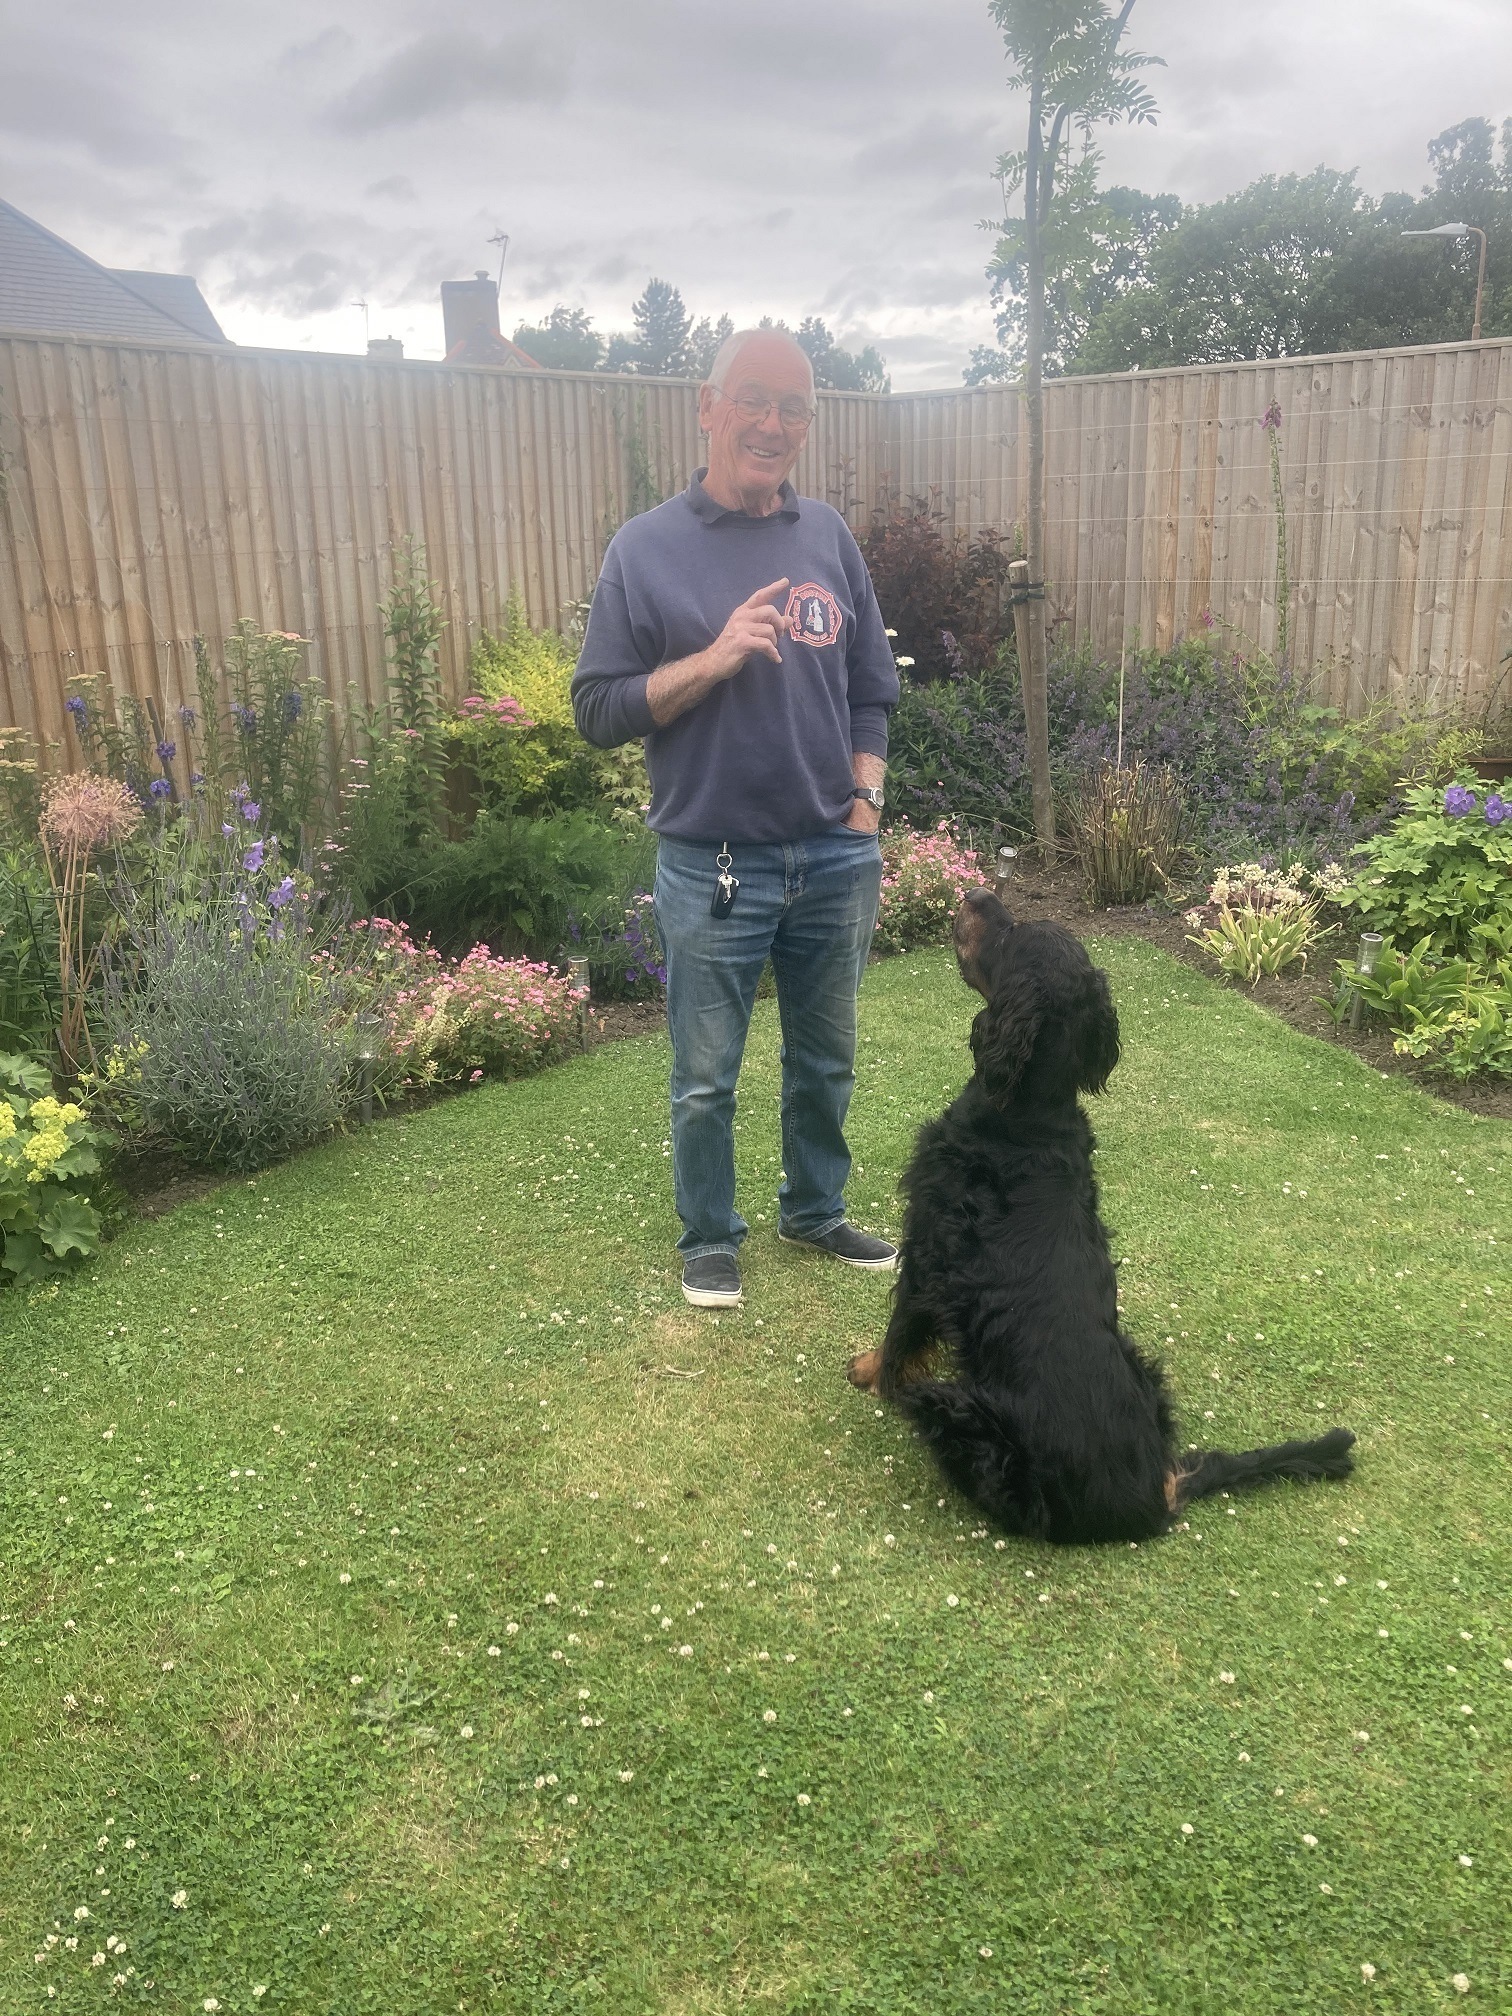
(150, 494)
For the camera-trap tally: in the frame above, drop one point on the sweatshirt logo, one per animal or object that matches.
(813, 615)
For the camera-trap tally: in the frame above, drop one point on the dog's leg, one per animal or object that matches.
(909, 1337)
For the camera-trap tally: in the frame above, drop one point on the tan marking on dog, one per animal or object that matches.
(865, 1369)
(1173, 1483)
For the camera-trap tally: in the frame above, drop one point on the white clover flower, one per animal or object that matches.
(467, 1729)
(81, 1912)
(685, 1651)
(259, 1990)
(804, 1799)
(549, 1597)
(1187, 1827)
(1460, 1983)
(985, 1952)
(1309, 1840)
(1465, 1861)
(951, 1602)
(1367, 1972)
(510, 1630)
(210, 2005)
(770, 1715)
(493, 1651)
(1227, 1679)
(178, 1900)
(343, 1576)
(625, 1777)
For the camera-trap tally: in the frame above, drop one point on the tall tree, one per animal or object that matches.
(565, 341)
(659, 346)
(1068, 58)
(838, 370)
(704, 344)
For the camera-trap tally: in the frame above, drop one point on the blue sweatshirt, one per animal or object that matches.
(765, 756)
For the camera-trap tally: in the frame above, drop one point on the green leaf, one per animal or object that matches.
(71, 1225)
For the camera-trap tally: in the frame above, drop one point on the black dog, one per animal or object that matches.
(1055, 1425)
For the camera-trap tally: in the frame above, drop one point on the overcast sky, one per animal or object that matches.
(796, 157)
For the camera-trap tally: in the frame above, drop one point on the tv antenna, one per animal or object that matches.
(501, 239)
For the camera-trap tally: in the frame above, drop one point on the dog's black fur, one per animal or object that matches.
(1055, 1424)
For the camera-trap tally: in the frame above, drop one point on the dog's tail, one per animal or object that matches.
(1212, 1470)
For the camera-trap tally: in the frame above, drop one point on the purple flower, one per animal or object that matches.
(284, 893)
(188, 716)
(1458, 801)
(196, 778)
(167, 751)
(252, 860)
(293, 704)
(240, 792)
(160, 787)
(1497, 809)
(76, 707)
(1270, 419)
(251, 811)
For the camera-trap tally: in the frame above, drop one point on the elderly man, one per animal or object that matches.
(736, 629)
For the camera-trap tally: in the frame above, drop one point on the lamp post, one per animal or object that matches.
(1462, 231)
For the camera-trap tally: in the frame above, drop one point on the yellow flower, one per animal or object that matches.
(7, 1120)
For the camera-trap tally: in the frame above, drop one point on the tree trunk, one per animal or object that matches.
(1033, 673)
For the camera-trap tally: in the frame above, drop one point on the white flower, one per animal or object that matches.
(951, 1602)
(343, 1576)
(1367, 1972)
(1460, 1983)
(1309, 1840)
(985, 1952)
(582, 1693)
(1464, 1861)
(467, 1728)
(493, 1651)
(210, 2004)
(510, 1630)
(770, 1715)
(1362, 1735)
(259, 1991)
(1187, 1827)
(928, 1695)
(685, 1651)
(178, 1900)
(625, 1777)
(549, 1597)
(1227, 1679)
(804, 1799)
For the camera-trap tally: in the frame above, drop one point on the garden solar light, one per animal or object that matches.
(1365, 962)
(577, 980)
(367, 1056)
(1462, 231)
(1007, 862)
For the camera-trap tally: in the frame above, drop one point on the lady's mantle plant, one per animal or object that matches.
(46, 1148)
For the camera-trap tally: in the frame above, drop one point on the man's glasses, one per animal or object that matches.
(793, 413)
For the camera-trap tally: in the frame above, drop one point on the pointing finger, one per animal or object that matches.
(768, 594)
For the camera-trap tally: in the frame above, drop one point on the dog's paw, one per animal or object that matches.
(864, 1370)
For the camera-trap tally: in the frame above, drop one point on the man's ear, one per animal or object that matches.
(1096, 1036)
(1004, 1034)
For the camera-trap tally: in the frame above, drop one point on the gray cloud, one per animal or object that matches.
(446, 71)
(781, 158)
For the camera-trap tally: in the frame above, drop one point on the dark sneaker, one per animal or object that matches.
(712, 1281)
(844, 1242)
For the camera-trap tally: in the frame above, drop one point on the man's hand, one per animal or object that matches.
(752, 632)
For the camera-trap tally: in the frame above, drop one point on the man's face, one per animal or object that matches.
(752, 457)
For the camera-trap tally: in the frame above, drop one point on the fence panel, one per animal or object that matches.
(149, 494)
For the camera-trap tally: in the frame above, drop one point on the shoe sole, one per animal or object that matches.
(711, 1298)
(872, 1266)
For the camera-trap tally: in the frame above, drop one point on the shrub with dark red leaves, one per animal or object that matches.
(944, 595)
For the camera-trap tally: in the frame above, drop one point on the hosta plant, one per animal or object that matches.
(47, 1148)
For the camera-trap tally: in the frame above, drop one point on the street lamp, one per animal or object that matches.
(1462, 231)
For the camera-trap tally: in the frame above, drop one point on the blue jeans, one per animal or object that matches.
(810, 906)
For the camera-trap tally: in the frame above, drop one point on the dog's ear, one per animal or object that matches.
(1095, 1037)
(1004, 1034)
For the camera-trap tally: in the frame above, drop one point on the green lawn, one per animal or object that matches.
(408, 1605)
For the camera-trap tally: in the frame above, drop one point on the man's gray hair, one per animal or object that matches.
(732, 346)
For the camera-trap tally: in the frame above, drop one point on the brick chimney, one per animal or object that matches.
(469, 310)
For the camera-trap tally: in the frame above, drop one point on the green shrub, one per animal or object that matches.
(28, 952)
(47, 1149)
(1455, 1014)
(542, 765)
(233, 1029)
(522, 886)
(1442, 872)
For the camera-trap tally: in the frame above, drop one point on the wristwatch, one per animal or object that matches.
(870, 794)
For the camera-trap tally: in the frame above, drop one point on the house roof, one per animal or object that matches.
(50, 286)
